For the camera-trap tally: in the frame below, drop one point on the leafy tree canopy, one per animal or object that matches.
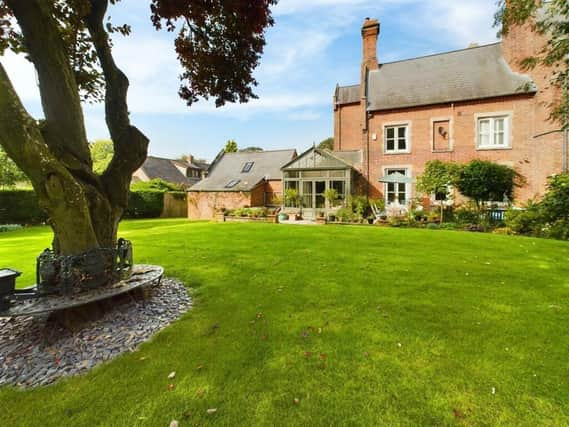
(231, 146)
(101, 153)
(326, 144)
(218, 43)
(550, 19)
(251, 150)
(484, 181)
(438, 178)
(10, 174)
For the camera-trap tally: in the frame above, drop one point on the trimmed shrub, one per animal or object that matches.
(20, 207)
(484, 181)
(156, 184)
(145, 204)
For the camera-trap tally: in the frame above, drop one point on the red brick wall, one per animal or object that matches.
(535, 157)
(202, 205)
(348, 127)
(258, 196)
(273, 188)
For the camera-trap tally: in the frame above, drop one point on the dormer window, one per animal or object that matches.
(247, 167)
(232, 183)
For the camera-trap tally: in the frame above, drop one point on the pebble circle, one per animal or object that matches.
(34, 351)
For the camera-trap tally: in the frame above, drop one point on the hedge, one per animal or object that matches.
(21, 206)
(145, 204)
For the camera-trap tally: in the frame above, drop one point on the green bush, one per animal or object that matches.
(20, 207)
(528, 222)
(145, 204)
(359, 205)
(156, 184)
(484, 181)
(249, 212)
(547, 218)
(555, 203)
(466, 215)
(9, 227)
(345, 215)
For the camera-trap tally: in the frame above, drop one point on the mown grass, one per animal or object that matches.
(364, 326)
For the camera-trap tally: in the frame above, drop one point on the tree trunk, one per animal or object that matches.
(84, 208)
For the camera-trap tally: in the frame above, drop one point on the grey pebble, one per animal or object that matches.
(33, 352)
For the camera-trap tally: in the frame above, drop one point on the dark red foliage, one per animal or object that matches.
(219, 44)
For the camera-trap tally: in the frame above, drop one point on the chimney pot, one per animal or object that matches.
(370, 33)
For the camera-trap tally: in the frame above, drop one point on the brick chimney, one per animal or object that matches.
(370, 33)
(519, 43)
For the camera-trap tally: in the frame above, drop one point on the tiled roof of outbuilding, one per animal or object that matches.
(229, 167)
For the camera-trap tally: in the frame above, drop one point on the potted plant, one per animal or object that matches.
(331, 196)
(293, 198)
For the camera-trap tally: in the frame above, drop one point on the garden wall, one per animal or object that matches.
(202, 204)
(175, 205)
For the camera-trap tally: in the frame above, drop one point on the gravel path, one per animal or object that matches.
(36, 351)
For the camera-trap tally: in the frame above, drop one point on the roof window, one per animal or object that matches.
(247, 167)
(232, 183)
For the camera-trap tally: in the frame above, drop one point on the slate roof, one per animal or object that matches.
(156, 167)
(348, 94)
(318, 158)
(463, 75)
(229, 166)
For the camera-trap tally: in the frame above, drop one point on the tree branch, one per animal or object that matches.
(130, 145)
(59, 193)
(64, 130)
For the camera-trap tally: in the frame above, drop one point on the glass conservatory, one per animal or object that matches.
(311, 175)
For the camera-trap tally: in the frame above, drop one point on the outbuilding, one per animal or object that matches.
(238, 180)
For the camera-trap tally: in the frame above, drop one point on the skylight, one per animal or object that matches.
(232, 183)
(247, 167)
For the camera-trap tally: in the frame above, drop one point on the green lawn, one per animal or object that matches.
(364, 326)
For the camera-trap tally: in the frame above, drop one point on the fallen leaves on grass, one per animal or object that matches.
(211, 411)
(174, 423)
(172, 375)
(457, 413)
(296, 400)
(171, 387)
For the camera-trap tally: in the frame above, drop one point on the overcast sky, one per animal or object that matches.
(313, 45)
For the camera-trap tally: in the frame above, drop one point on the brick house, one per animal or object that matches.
(236, 180)
(474, 103)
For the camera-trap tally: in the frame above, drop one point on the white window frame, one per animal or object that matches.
(408, 187)
(397, 125)
(491, 118)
